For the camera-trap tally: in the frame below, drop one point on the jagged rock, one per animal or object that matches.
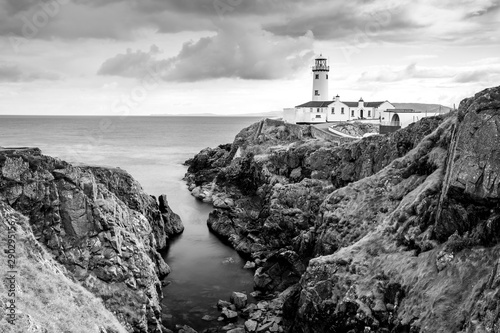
(99, 224)
(228, 327)
(172, 221)
(239, 300)
(223, 304)
(264, 327)
(249, 265)
(251, 325)
(187, 329)
(237, 330)
(229, 314)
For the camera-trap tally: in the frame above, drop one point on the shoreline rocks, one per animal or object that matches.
(376, 235)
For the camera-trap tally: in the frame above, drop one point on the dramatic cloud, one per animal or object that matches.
(362, 21)
(12, 73)
(334, 20)
(235, 52)
(353, 22)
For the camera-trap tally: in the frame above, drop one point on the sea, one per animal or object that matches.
(153, 150)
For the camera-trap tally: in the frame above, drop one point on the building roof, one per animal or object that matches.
(366, 104)
(324, 104)
(351, 104)
(315, 104)
(405, 111)
(374, 104)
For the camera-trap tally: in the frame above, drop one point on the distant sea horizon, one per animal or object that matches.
(214, 115)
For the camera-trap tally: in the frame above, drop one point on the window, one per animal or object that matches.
(318, 116)
(369, 113)
(333, 111)
(342, 111)
(327, 76)
(317, 76)
(318, 110)
(316, 92)
(352, 113)
(311, 109)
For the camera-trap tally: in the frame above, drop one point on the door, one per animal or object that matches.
(395, 120)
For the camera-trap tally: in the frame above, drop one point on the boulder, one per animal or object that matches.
(229, 315)
(239, 300)
(251, 325)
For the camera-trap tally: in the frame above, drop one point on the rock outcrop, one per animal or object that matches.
(100, 225)
(394, 233)
(39, 297)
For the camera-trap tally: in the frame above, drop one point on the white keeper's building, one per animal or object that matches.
(321, 109)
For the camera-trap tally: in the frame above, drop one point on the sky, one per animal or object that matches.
(231, 57)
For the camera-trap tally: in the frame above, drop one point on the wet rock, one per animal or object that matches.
(228, 327)
(251, 325)
(229, 314)
(239, 300)
(223, 304)
(249, 265)
(187, 329)
(237, 330)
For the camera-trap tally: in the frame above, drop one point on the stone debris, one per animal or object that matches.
(239, 300)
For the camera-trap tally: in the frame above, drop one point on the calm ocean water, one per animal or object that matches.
(153, 149)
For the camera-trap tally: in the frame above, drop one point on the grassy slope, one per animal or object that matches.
(431, 108)
(46, 299)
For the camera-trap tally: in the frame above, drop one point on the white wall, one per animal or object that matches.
(320, 84)
(337, 115)
(304, 115)
(405, 119)
(290, 115)
(384, 106)
(357, 113)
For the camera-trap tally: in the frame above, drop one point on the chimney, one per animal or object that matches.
(337, 98)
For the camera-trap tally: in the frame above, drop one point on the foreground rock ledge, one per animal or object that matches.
(395, 233)
(100, 225)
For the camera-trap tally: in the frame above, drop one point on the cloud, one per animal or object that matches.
(450, 21)
(482, 72)
(134, 64)
(390, 74)
(361, 21)
(118, 19)
(83, 19)
(12, 73)
(342, 20)
(235, 52)
(491, 74)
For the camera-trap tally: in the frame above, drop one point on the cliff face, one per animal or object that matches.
(100, 225)
(390, 233)
(46, 300)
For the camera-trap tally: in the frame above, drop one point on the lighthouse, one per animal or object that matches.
(320, 79)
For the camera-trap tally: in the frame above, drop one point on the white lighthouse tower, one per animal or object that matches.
(320, 79)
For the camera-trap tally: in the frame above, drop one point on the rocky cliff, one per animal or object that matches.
(100, 225)
(393, 233)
